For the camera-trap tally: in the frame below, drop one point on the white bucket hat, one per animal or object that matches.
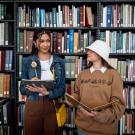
(101, 48)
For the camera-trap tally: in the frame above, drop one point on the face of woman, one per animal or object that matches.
(92, 56)
(44, 43)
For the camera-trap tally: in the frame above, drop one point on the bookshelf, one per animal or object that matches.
(22, 18)
(116, 24)
(7, 69)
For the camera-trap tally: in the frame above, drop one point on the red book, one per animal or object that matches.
(59, 42)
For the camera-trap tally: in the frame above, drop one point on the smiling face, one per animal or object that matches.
(43, 43)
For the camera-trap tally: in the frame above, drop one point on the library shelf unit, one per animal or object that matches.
(7, 68)
(73, 24)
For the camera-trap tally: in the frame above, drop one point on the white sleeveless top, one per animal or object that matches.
(46, 73)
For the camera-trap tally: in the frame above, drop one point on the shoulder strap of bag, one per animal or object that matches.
(55, 106)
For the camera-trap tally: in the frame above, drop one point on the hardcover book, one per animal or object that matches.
(49, 84)
(75, 103)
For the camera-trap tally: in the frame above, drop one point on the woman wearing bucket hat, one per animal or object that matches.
(100, 84)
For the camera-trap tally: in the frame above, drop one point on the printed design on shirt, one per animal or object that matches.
(97, 81)
(34, 64)
(34, 67)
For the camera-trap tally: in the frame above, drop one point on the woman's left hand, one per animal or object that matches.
(91, 114)
(41, 89)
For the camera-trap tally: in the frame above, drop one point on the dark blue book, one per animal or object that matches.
(109, 16)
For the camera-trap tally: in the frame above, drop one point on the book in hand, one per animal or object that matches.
(49, 84)
(75, 103)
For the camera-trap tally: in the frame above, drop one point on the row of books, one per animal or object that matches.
(129, 95)
(69, 132)
(67, 42)
(70, 87)
(70, 117)
(118, 15)
(5, 33)
(72, 41)
(73, 66)
(6, 111)
(4, 11)
(5, 84)
(20, 113)
(21, 131)
(6, 60)
(127, 123)
(21, 98)
(7, 88)
(20, 61)
(75, 41)
(5, 130)
(125, 68)
(24, 41)
(62, 16)
(119, 41)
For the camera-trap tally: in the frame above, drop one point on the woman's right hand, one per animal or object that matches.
(68, 103)
(91, 114)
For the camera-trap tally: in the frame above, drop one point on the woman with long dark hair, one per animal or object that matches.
(40, 114)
